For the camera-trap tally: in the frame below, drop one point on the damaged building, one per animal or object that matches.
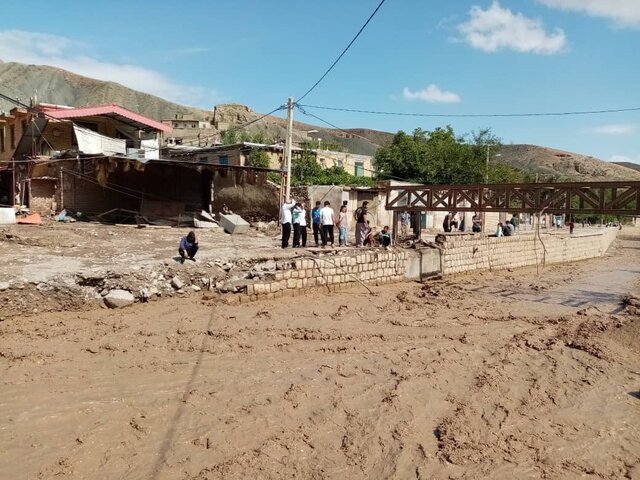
(105, 159)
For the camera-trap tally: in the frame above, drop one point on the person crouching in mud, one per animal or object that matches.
(188, 247)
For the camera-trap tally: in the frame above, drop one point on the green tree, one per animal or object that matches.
(305, 170)
(230, 136)
(258, 158)
(235, 135)
(441, 157)
(333, 146)
(503, 173)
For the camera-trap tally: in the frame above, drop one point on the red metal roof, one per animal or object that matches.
(109, 109)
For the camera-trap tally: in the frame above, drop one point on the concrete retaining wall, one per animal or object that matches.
(332, 273)
(458, 253)
(478, 252)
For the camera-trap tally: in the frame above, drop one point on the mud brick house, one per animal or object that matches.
(97, 159)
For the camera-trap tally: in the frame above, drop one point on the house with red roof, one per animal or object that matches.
(106, 162)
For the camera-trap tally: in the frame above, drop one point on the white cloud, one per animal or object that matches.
(616, 129)
(625, 158)
(45, 49)
(624, 13)
(498, 28)
(431, 94)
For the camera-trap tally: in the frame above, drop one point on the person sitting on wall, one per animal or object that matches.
(369, 236)
(499, 230)
(384, 237)
(188, 247)
(446, 223)
(477, 223)
(508, 229)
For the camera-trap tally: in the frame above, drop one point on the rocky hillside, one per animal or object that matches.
(561, 165)
(54, 85)
(633, 166)
(58, 86)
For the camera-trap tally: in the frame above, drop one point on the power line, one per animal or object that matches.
(309, 114)
(474, 115)
(387, 176)
(96, 134)
(343, 51)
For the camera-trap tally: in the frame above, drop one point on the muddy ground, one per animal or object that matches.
(488, 375)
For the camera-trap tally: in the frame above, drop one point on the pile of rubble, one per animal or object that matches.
(117, 289)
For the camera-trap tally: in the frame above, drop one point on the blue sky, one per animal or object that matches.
(426, 56)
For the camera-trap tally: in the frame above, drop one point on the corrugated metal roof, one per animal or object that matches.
(110, 109)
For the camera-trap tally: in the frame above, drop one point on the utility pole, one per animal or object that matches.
(486, 175)
(289, 141)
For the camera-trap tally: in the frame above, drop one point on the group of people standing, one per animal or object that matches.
(293, 215)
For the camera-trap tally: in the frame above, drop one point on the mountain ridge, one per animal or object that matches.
(59, 86)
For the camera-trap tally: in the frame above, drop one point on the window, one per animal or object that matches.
(223, 159)
(359, 170)
(1, 139)
(12, 136)
(339, 163)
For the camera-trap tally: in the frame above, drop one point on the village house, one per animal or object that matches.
(238, 154)
(357, 165)
(190, 131)
(98, 159)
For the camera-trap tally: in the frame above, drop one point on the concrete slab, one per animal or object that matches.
(234, 224)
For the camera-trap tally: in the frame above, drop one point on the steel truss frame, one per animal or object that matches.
(603, 198)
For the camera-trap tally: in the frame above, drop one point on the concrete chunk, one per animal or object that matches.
(234, 224)
(118, 299)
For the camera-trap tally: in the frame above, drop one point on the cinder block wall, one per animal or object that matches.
(473, 252)
(330, 272)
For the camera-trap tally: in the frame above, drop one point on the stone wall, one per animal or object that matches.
(330, 273)
(463, 253)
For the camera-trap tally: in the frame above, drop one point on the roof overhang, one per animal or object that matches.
(113, 111)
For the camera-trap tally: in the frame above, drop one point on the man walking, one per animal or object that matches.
(316, 223)
(285, 221)
(327, 217)
(361, 224)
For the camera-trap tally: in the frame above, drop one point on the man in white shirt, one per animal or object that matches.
(285, 221)
(327, 218)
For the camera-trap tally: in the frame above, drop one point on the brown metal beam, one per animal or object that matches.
(613, 198)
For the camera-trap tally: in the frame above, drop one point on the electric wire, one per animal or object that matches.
(474, 115)
(343, 51)
(91, 132)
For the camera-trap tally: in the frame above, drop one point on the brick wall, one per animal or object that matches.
(474, 252)
(42, 192)
(330, 273)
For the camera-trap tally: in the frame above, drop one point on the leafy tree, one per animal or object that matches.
(305, 170)
(230, 136)
(333, 146)
(258, 158)
(503, 173)
(235, 135)
(441, 157)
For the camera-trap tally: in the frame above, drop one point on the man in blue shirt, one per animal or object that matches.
(316, 222)
(188, 247)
